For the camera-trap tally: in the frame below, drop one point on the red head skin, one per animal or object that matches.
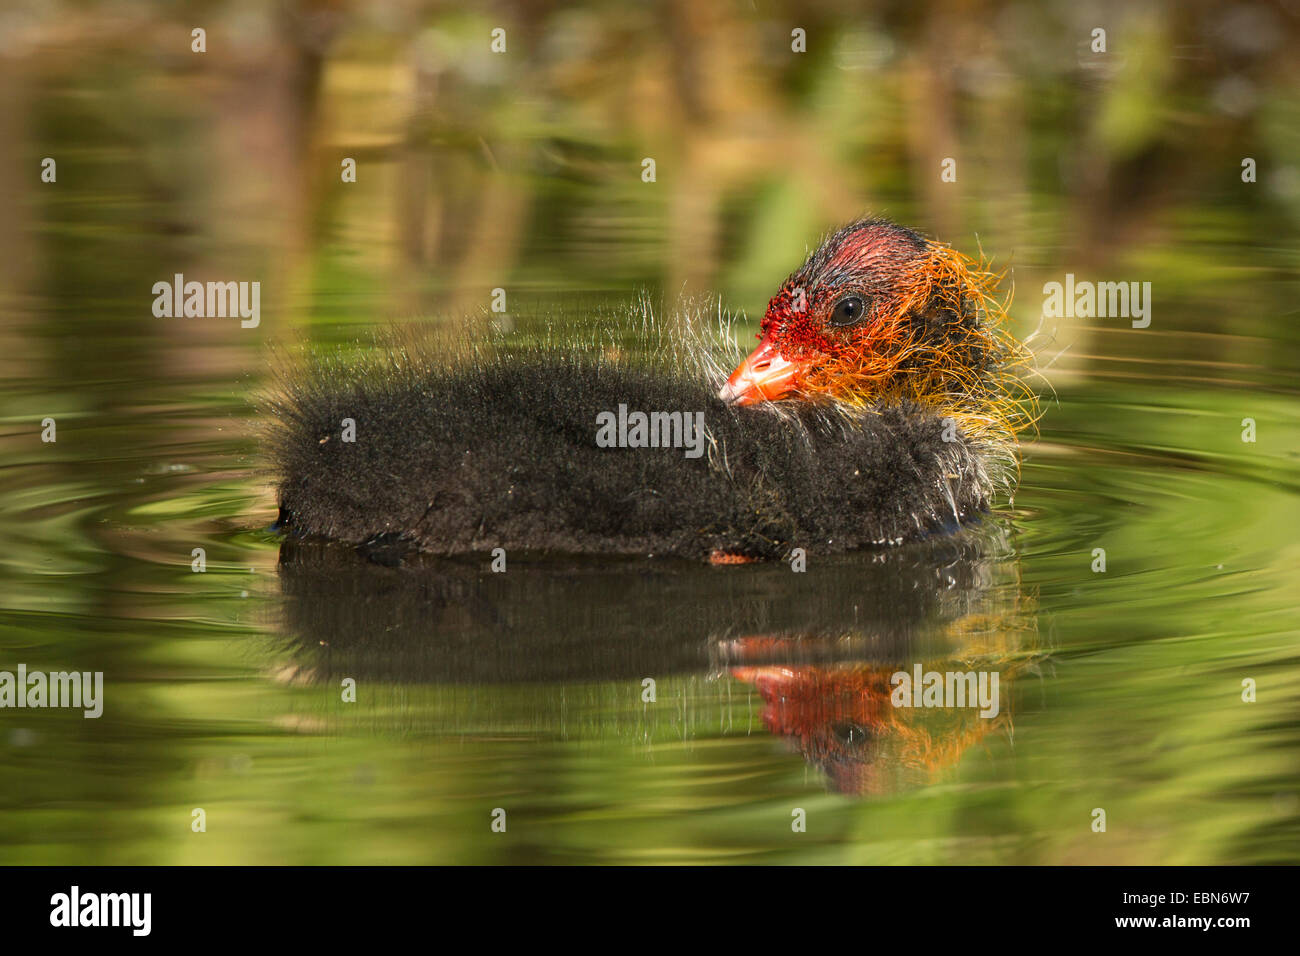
(886, 275)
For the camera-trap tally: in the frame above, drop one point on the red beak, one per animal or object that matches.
(763, 377)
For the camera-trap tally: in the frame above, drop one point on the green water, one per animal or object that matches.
(1122, 690)
(217, 698)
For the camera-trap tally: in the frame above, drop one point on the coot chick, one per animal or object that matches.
(881, 405)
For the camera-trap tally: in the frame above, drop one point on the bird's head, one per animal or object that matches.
(878, 313)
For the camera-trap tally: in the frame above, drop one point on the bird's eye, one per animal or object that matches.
(848, 311)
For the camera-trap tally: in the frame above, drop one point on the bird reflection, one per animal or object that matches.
(844, 720)
(822, 649)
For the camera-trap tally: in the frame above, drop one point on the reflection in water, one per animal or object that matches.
(844, 720)
(818, 646)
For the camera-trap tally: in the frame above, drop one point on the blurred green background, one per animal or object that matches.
(522, 170)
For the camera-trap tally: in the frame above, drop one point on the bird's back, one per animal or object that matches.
(535, 452)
